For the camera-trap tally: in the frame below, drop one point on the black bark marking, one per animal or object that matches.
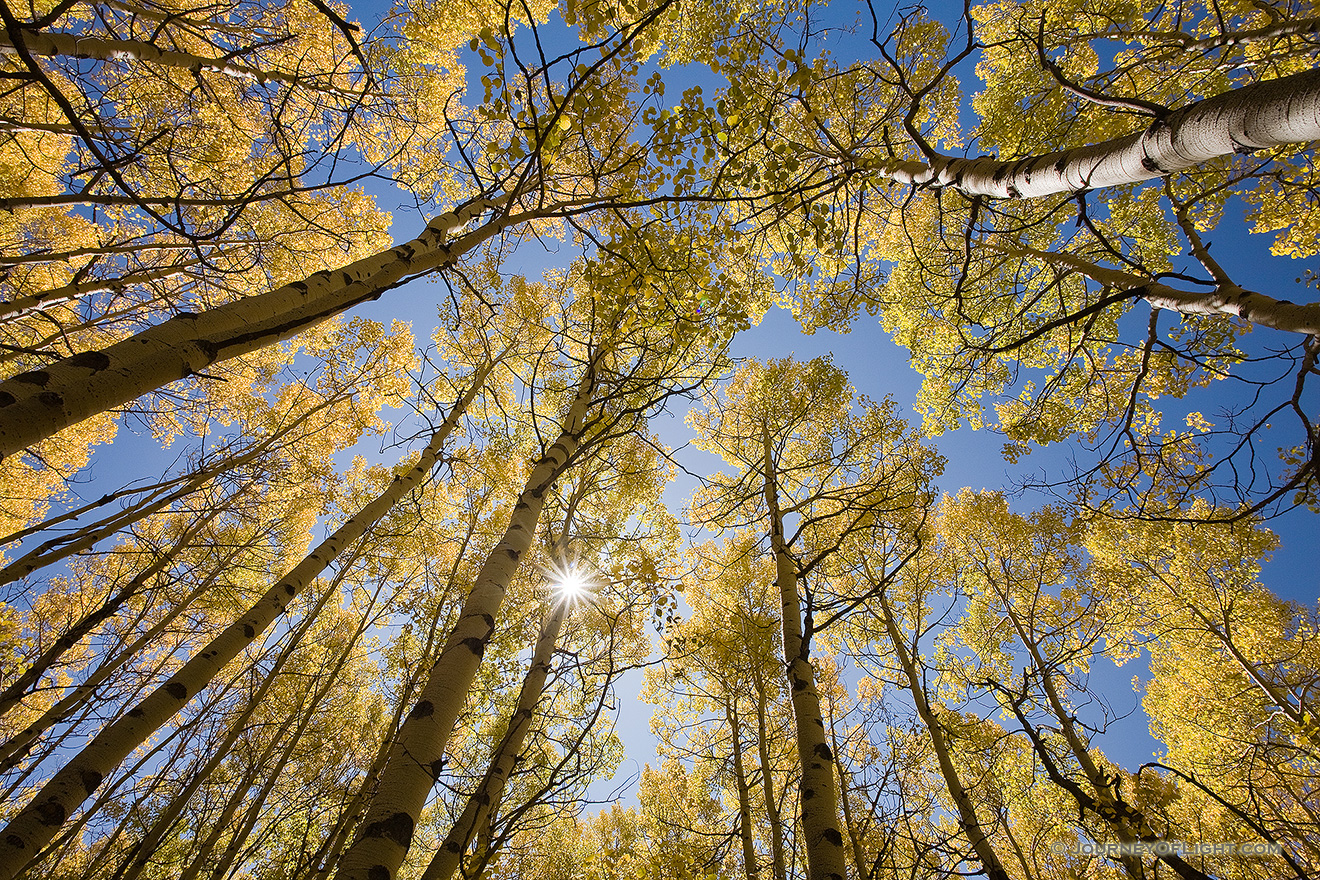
(90, 780)
(176, 690)
(832, 837)
(248, 631)
(475, 645)
(7, 399)
(209, 349)
(378, 872)
(96, 361)
(513, 554)
(398, 828)
(424, 709)
(15, 841)
(437, 769)
(288, 588)
(52, 814)
(50, 398)
(135, 712)
(823, 752)
(35, 377)
(808, 794)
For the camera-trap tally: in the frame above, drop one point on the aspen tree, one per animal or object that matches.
(42, 818)
(800, 452)
(969, 818)
(1013, 565)
(476, 811)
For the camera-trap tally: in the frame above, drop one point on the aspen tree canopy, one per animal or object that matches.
(896, 408)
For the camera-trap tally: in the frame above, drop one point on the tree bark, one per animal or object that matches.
(1254, 117)
(820, 807)
(750, 867)
(41, 819)
(53, 45)
(44, 299)
(66, 640)
(767, 781)
(962, 800)
(477, 811)
(1224, 299)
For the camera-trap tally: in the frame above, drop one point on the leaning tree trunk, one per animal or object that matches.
(1255, 117)
(19, 687)
(820, 806)
(38, 822)
(1222, 299)
(417, 754)
(140, 855)
(476, 813)
(1128, 821)
(75, 290)
(36, 404)
(962, 799)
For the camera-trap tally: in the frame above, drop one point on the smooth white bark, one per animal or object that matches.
(820, 805)
(1255, 117)
(477, 810)
(52, 45)
(36, 404)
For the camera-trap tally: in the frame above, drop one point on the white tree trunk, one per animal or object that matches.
(417, 755)
(1255, 117)
(820, 806)
(1224, 299)
(962, 799)
(476, 813)
(36, 404)
(53, 45)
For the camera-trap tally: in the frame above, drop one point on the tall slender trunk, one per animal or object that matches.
(41, 819)
(1127, 822)
(36, 404)
(860, 860)
(417, 754)
(14, 748)
(768, 780)
(67, 293)
(750, 867)
(1254, 117)
(350, 814)
(225, 821)
(820, 807)
(962, 800)
(239, 836)
(480, 805)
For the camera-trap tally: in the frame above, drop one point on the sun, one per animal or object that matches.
(570, 583)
